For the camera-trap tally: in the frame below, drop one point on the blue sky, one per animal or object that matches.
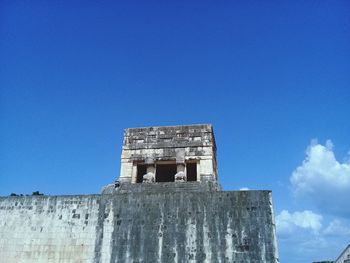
(270, 76)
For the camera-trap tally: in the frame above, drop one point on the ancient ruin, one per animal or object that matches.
(165, 206)
(169, 154)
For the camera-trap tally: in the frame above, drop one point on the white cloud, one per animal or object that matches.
(244, 189)
(322, 179)
(337, 228)
(303, 238)
(287, 223)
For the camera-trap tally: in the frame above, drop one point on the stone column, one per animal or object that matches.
(149, 177)
(151, 169)
(180, 175)
(125, 171)
(198, 171)
(134, 174)
(206, 169)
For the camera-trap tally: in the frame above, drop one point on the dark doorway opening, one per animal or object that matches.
(165, 172)
(191, 169)
(141, 171)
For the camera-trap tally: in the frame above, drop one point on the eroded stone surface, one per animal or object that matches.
(139, 226)
(169, 144)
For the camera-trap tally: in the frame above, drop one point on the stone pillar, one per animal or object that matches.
(151, 169)
(180, 175)
(180, 167)
(134, 174)
(198, 171)
(149, 177)
(125, 171)
(206, 170)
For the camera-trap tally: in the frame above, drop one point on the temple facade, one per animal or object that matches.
(169, 154)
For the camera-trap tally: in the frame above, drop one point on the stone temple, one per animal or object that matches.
(169, 154)
(166, 206)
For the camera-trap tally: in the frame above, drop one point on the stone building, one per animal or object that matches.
(344, 257)
(166, 206)
(189, 152)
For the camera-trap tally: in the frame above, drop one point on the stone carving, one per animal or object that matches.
(180, 177)
(149, 178)
(117, 184)
(110, 188)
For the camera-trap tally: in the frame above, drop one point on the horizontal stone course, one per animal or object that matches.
(140, 226)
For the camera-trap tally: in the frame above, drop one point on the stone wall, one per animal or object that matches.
(136, 226)
(163, 137)
(169, 143)
(48, 228)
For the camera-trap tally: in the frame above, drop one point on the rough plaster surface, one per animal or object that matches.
(139, 226)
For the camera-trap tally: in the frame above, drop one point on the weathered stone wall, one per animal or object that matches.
(162, 137)
(139, 226)
(48, 229)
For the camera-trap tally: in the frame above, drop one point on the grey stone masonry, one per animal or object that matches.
(134, 226)
(178, 145)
